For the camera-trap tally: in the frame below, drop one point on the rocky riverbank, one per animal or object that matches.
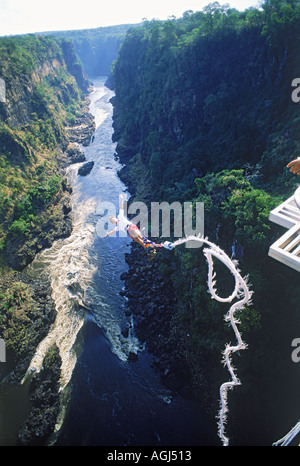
(152, 302)
(28, 313)
(81, 132)
(56, 220)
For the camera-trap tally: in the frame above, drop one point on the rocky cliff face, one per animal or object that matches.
(42, 122)
(45, 111)
(20, 90)
(74, 65)
(23, 75)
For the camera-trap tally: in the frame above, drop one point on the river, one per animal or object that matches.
(108, 399)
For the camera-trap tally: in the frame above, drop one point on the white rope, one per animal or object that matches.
(240, 292)
(284, 441)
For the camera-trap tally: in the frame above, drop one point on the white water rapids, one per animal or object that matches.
(70, 263)
(105, 398)
(85, 270)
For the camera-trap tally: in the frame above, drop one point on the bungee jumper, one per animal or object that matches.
(124, 224)
(241, 295)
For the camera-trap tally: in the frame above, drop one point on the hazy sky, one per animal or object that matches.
(26, 16)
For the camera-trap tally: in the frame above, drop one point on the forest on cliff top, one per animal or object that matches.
(203, 111)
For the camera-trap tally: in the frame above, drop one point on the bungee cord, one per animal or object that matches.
(240, 292)
(286, 440)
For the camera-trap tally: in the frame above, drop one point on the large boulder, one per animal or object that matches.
(74, 154)
(85, 168)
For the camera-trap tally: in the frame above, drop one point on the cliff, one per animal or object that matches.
(44, 112)
(43, 119)
(203, 112)
(97, 48)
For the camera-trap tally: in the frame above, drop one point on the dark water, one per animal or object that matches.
(119, 404)
(106, 399)
(109, 400)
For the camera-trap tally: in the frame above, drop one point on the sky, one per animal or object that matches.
(29, 16)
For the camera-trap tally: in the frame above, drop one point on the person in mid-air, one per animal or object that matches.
(124, 224)
(294, 165)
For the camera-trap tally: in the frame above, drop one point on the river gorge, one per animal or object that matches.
(109, 391)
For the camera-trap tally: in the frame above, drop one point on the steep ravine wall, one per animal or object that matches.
(43, 120)
(210, 118)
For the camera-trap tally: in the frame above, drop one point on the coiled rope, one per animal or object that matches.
(243, 294)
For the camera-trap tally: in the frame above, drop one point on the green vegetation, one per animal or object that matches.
(203, 111)
(43, 98)
(96, 48)
(205, 93)
(15, 324)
